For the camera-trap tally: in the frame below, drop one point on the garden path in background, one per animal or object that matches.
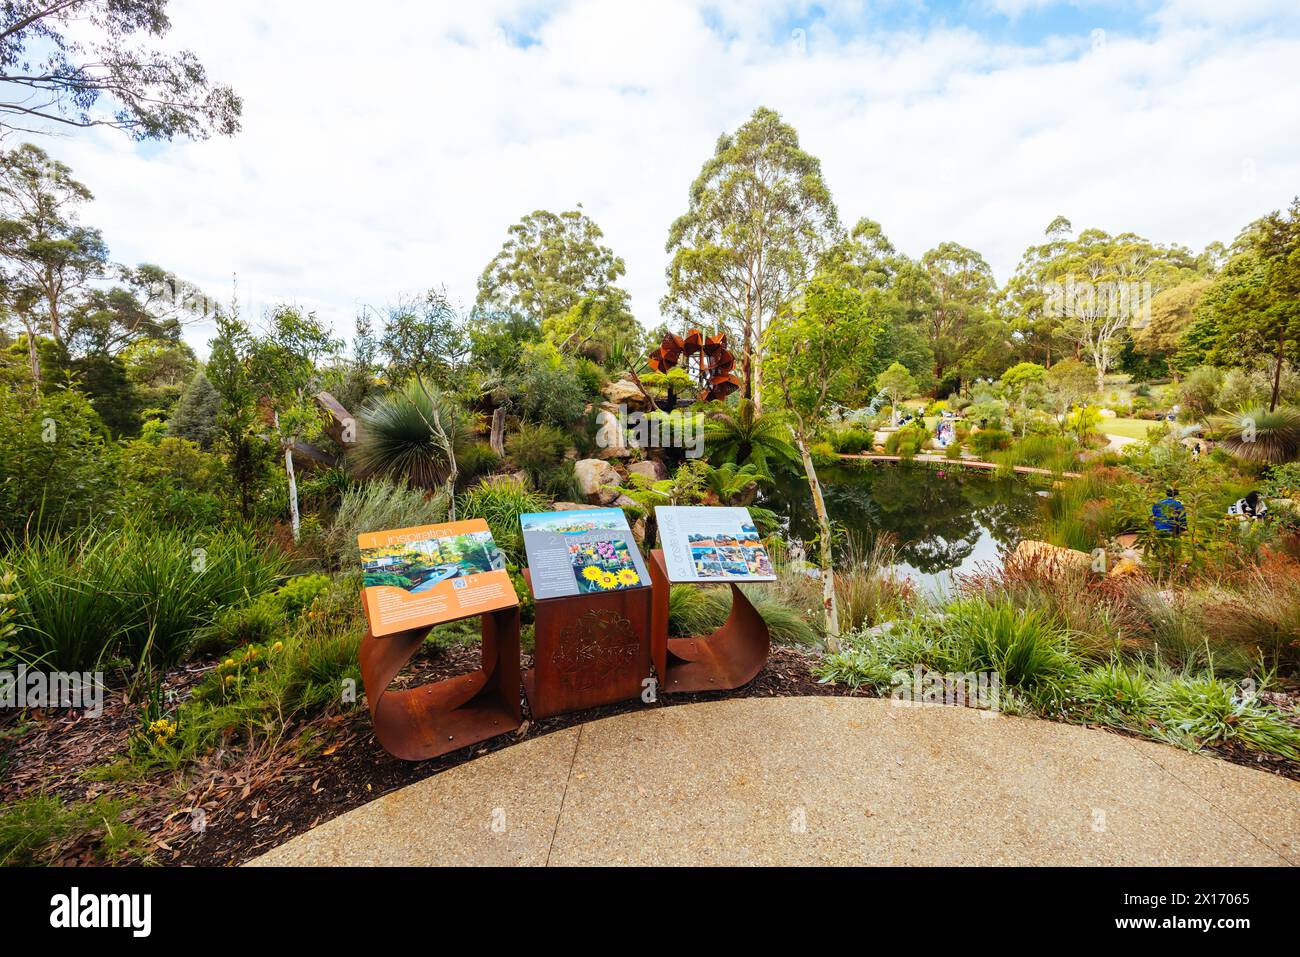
(822, 780)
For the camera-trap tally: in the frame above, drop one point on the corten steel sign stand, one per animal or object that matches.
(433, 719)
(589, 650)
(728, 658)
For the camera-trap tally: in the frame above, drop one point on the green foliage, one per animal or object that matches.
(38, 830)
(560, 483)
(195, 418)
(1025, 647)
(375, 505)
(1198, 394)
(987, 441)
(474, 461)
(425, 338)
(1260, 435)
(501, 500)
(545, 389)
(131, 592)
(907, 441)
(302, 677)
(537, 449)
(1198, 710)
(547, 265)
(700, 611)
(9, 656)
(897, 383)
(759, 218)
(852, 440)
(56, 469)
(1055, 452)
(172, 482)
(411, 435)
(1083, 421)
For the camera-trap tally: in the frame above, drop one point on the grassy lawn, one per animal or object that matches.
(1128, 428)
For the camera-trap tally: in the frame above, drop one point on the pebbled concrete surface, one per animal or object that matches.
(822, 780)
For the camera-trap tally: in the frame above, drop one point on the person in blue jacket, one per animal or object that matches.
(1169, 514)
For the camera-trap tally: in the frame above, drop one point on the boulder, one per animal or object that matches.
(1064, 558)
(592, 474)
(567, 507)
(1124, 568)
(651, 469)
(625, 392)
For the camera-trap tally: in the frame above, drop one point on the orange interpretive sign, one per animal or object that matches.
(430, 574)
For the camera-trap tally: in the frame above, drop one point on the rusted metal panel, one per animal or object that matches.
(420, 723)
(730, 657)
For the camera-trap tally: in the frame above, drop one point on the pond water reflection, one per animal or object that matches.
(945, 520)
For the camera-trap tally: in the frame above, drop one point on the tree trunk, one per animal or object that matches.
(34, 357)
(829, 604)
(293, 481)
(1277, 371)
(498, 439)
(293, 489)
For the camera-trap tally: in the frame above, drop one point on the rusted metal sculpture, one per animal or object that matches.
(419, 723)
(728, 658)
(709, 359)
(588, 650)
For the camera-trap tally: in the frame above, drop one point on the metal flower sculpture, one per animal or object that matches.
(708, 360)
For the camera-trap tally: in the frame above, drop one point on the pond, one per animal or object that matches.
(944, 520)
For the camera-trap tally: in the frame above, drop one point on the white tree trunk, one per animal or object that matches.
(830, 605)
(293, 490)
(293, 481)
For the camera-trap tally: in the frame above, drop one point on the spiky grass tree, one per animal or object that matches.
(1260, 435)
(412, 435)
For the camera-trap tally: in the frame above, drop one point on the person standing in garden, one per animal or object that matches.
(1169, 515)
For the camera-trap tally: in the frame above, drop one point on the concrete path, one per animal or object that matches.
(822, 781)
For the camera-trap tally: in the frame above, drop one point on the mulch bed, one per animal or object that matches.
(251, 801)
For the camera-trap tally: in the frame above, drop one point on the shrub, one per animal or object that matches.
(1053, 452)
(377, 505)
(545, 389)
(1198, 394)
(501, 500)
(270, 691)
(265, 618)
(56, 468)
(410, 435)
(701, 611)
(852, 440)
(474, 461)
(560, 483)
(138, 593)
(1199, 710)
(172, 482)
(986, 441)
(907, 441)
(1025, 646)
(536, 448)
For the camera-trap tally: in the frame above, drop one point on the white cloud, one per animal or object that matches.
(387, 150)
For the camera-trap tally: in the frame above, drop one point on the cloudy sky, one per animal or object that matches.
(387, 147)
